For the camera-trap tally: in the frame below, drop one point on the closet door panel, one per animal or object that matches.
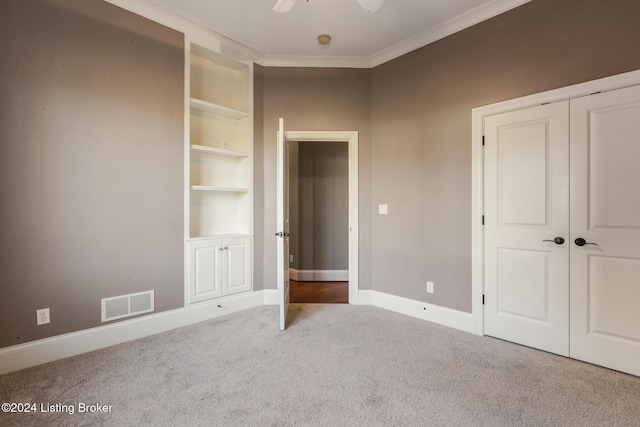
(526, 207)
(605, 212)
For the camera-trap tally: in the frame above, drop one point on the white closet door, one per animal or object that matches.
(526, 203)
(605, 210)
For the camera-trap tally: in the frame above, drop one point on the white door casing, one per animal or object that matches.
(282, 224)
(526, 208)
(351, 138)
(605, 210)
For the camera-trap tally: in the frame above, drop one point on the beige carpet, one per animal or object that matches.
(337, 365)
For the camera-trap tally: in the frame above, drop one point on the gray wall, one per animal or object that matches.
(421, 117)
(91, 136)
(309, 99)
(91, 163)
(319, 206)
(416, 156)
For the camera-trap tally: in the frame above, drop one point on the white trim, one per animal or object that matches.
(46, 350)
(453, 25)
(458, 23)
(231, 47)
(270, 297)
(315, 61)
(351, 137)
(477, 166)
(186, 169)
(216, 41)
(422, 310)
(318, 275)
(365, 297)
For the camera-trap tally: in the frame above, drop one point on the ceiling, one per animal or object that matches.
(359, 39)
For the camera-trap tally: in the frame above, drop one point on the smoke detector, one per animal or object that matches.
(324, 39)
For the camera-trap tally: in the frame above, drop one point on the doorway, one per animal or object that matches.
(325, 269)
(319, 221)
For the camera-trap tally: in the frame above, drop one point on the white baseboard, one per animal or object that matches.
(433, 313)
(270, 296)
(318, 275)
(422, 310)
(46, 350)
(365, 297)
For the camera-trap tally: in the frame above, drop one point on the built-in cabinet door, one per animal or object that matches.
(219, 267)
(238, 266)
(605, 212)
(205, 271)
(526, 227)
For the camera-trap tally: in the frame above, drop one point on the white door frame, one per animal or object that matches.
(351, 137)
(477, 167)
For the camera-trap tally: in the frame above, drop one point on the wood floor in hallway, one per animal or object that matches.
(319, 292)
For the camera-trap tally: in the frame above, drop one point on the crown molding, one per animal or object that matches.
(190, 28)
(315, 61)
(447, 28)
(240, 51)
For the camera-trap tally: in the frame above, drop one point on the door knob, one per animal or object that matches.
(557, 240)
(581, 242)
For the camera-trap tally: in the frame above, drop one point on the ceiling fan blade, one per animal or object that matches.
(370, 6)
(284, 6)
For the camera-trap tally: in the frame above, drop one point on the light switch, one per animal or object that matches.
(382, 209)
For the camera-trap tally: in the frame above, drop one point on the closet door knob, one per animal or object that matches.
(557, 240)
(581, 242)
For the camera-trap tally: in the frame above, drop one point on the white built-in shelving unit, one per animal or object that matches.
(218, 153)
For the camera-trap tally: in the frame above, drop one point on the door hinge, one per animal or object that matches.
(482, 299)
(482, 219)
(483, 140)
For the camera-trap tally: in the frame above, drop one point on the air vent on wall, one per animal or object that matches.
(127, 305)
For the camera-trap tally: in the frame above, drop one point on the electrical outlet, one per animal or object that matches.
(290, 257)
(430, 287)
(42, 316)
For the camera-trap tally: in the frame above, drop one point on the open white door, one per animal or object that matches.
(282, 219)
